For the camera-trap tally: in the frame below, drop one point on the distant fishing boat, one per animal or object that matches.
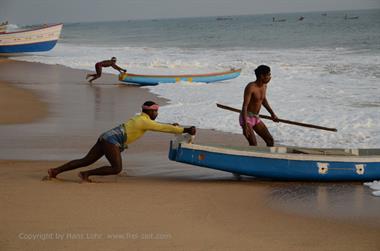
(3, 26)
(37, 39)
(278, 20)
(283, 163)
(161, 79)
(350, 17)
(223, 18)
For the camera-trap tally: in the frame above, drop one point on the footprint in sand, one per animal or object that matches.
(46, 178)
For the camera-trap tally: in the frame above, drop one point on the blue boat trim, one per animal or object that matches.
(42, 38)
(273, 163)
(32, 47)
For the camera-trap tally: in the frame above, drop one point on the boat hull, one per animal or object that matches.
(35, 47)
(279, 166)
(161, 79)
(34, 40)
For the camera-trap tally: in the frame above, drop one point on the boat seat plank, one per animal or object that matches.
(322, 152)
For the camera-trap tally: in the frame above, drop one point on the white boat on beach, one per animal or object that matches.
(42, 38)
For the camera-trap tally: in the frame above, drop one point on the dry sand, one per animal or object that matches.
(143, 212)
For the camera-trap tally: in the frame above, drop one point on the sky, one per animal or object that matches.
(51, 11)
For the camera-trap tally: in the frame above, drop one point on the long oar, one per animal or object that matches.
(281, 120)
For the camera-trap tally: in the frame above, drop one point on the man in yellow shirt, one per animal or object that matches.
(114, 141)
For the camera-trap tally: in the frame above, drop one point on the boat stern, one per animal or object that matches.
(122, 76)
(175, 145)
(172, 152)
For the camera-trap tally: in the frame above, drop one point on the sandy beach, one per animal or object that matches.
(49, 115)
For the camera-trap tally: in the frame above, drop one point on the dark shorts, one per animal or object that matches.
(115, 136)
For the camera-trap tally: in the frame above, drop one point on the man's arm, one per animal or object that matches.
(244, 111)
(246, 100)
(116, 67)
(168, 128)
(269, 109)
(190, 130)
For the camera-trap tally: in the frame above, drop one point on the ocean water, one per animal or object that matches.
(325, 69)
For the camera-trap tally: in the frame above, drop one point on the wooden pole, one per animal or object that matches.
(281, 120)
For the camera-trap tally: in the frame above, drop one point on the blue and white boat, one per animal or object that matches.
(37, 39)
(283, 163)
(160, 79)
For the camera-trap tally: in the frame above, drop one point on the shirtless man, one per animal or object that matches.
(112, 142)
(100, 65)
(254, 97)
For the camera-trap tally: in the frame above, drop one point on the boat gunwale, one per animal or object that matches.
(181, 76)
(285, 156)
(29, 30)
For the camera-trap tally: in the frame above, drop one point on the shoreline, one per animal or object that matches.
(26, 108)
(158, 205)
(76, 108)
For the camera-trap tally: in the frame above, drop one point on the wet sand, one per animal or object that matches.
(26, 108)
(155, 204)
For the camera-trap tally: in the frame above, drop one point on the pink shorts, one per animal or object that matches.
(252, 120)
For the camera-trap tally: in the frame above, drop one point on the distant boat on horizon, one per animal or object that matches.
(42, 38)
(278, 20)
(352, 17)
(223, 18)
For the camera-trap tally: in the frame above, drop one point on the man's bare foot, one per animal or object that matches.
(52, 173)
(87, 76)
(84, 177)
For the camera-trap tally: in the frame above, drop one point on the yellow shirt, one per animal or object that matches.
(136, 127)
